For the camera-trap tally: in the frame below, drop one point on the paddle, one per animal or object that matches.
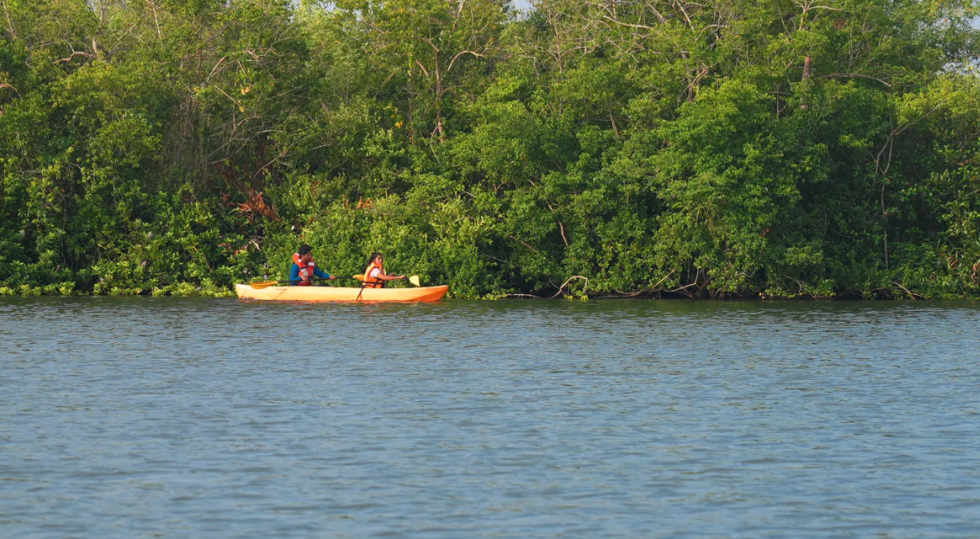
(267, 284)
(414, 279)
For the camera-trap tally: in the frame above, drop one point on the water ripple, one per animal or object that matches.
(165, 417)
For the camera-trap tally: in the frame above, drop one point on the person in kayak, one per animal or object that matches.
(375, 276)
(304, 269)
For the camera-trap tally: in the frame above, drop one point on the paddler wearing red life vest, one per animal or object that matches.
(304, 269)
(375, 276)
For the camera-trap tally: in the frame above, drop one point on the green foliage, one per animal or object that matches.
(720, 149)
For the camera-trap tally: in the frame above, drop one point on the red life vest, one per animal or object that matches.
(373, 282)
(305, 270)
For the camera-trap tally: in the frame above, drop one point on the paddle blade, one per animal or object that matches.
(263, 284)
(414, 279)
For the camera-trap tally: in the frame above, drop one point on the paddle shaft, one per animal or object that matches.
(267, 284)
(414, 279)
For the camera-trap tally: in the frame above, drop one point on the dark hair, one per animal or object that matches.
(303, 249)
(373, 256)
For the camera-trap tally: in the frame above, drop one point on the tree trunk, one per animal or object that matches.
(807, 69)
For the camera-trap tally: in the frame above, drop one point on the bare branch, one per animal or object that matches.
(562, 287)
(10, 25)
(453, 61)
(525, 244)
(74, 54)
(680, 5)
(911, 294)
(851, 76)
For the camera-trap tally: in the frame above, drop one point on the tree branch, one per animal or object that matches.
(453, 61)
(851, 76)
(525, 244)
(88, 55)
(562, 287)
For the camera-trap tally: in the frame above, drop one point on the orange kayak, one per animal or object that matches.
(334, 293)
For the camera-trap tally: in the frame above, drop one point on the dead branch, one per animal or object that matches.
(453, 61)
(798, 283)
(682, 288)
(265, 166)
(562, 287)
(911, 294)
(849, 76)
(525, 244)
(10, 25)
(680, 5)
(215, 68)
(661, 281)
(88, 55)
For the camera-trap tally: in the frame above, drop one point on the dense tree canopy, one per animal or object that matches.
(718, 148)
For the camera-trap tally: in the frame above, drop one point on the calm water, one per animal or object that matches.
(123, 418)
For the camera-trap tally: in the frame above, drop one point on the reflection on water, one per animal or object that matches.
(165, 417)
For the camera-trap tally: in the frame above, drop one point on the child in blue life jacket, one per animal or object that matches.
(304, 269)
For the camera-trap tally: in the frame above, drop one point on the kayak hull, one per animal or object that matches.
(335, 293)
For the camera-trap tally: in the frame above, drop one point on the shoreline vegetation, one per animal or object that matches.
(583, 148)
